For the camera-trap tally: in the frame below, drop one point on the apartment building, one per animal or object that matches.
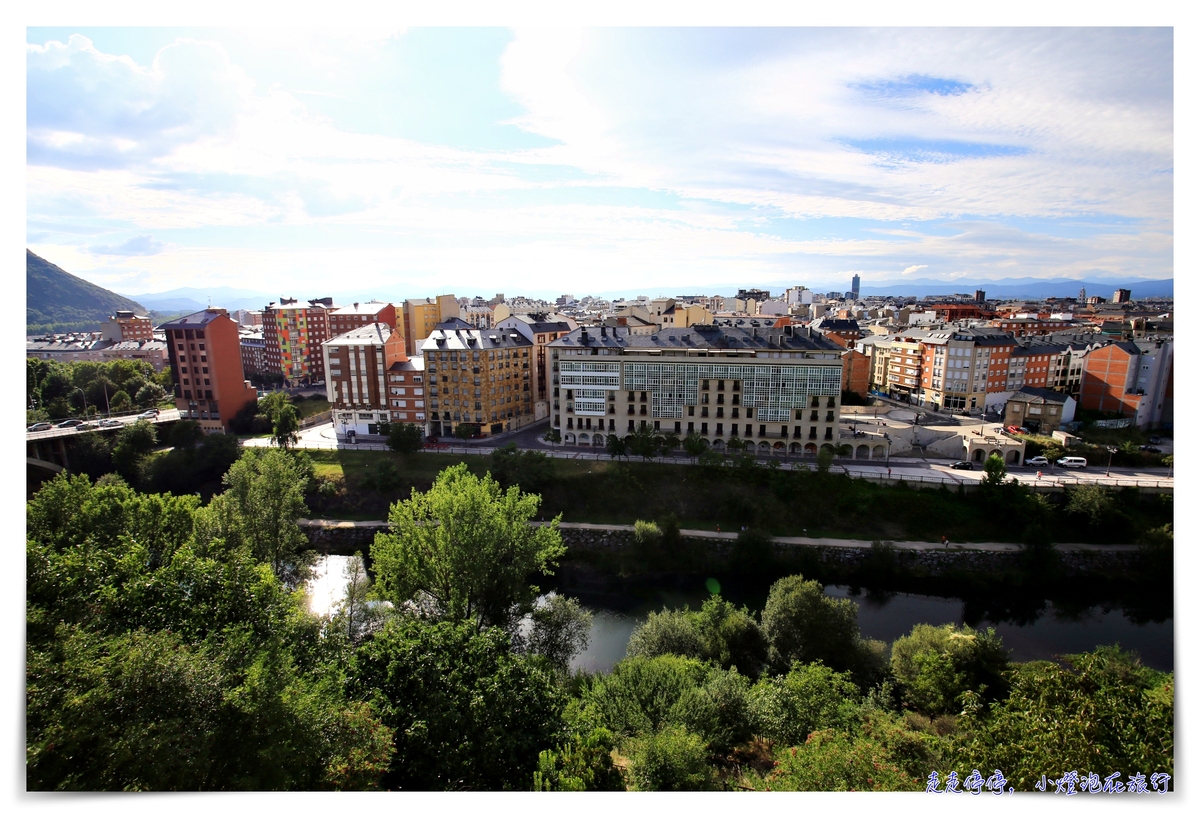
(778, 388)
(294, 331)
(126, 325)
(206, 363)
(856, 372)
(422, 315)
(903, 380)
(1021, 327)
(842, 331)
(481, 378)
(541, 329)
(356, 365)
(957, 367)
(353, 316)
(1131, 378)
(254, 353)
(687, 315)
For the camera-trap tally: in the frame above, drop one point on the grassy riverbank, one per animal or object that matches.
(362, 485)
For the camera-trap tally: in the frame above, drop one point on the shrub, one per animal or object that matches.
(672, 759)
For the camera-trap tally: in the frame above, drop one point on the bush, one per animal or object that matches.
(585, 763)
(936, 665)
(672, 759)
(667, 632)
(830, 761)
(786, 709)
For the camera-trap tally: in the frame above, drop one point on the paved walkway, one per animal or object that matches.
(828, 542)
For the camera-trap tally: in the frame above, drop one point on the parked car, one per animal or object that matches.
(69, 424)
(109, 422)
(149, 413)
(964, 465)
(1013, 430)
(1037, 461)
(1155, 439)
(1151, 449)
(1072, 462)
(40, 427)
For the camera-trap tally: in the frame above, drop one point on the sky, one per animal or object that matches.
(657, 161)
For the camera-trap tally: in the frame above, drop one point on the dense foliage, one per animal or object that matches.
(169, 647)
(55, 389)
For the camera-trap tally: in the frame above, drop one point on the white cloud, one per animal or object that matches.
(912, 268)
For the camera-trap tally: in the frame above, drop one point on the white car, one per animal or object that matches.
(1072, 462)
(149, 414)
(1037, 461)
(108, 422)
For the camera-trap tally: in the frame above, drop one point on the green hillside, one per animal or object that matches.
(56, 301)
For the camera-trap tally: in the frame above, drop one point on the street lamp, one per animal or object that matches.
(1111, 451)
(84, 396)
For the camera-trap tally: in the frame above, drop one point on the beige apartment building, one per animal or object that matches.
(481, 378)
(777, 388)
(127, 325)
(541, 329)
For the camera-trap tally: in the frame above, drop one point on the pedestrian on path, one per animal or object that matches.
(945, 541)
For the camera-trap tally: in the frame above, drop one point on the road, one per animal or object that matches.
(908, 469)
(164, 416)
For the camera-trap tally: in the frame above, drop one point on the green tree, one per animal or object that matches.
(582, 764)
(673, 759)
(532, 471)
(616, 446)
(119, 401)
(994, 471)
(666, 632)
(133, 443)
(642, 443)
(150, 394)
(824, 460)
(731, 637)
(186, 434)
(552, 436)
(804, 625)
(1097, 712)
(466, 548)
(811, 697)
(285, 427)
(694, 445)
(264, 497)
(560, 630)
(464, 431)
(1091, 501)
(404, 437)
(357, 617)
(831, 761)
(936, 665)
(465, 712)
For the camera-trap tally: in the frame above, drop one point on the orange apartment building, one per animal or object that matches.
(1130, 378)
(293, 333)
(206, 362)
(344, 319)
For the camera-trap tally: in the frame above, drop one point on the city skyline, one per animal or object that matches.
(601, 160)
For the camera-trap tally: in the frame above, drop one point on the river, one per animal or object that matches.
(1049, 632)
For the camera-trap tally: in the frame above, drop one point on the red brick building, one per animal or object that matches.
(345, 319)
(126, 325)
(856, 372)
(206, 362)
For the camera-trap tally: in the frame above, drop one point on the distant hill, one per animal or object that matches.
(56, 301)
(193, 299)
(1033, 288)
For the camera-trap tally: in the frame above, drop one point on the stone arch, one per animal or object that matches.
(718, 445)
(862, 453)
(778, 447)
(598, 440)
(569, 438)
(827, 447)
(585, 439)
(1014, 457)
(977, 455)
(810, 449)
(879, 451)
(764, 446)
(795, 448)
(996, 452)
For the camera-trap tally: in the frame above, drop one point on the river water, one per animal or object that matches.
(1051, 632)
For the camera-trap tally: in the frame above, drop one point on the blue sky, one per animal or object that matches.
(481, 160)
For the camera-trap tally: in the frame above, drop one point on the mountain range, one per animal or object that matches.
(1036, 288)
(191, 299)
(56, 301)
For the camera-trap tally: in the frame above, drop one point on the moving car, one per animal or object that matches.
(1072, 462)
(1151, 449)
(109, 422)
(69, 424)
(1037, 461)
(149, 413)
(1155, 439)
(964, 465)
(40, 427)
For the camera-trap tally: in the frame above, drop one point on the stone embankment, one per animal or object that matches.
(346, 537)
